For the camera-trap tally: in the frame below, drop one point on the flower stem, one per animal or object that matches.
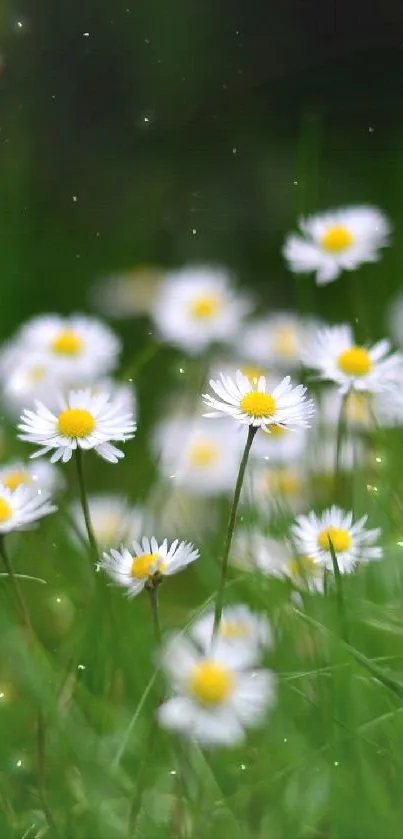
(341, 430)
(339, 595)
(153, 597)
(84, 504)
(41, 762)
(231, 527)
(19, 597)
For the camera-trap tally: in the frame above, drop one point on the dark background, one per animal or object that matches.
(155, 132)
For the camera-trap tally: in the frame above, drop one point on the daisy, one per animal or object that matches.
(86, 421)
(337, 240)
(147, 562)
(41, 476)
(275, 340)
(22, 507)
(197, 306)
(352, 543)
(25, 379)
(128, 294)
(114, 521)
(79, 347)
(240, 633)
(217, 696)
(334, 353)
(275, 486)
(254, 551)
(252, 405)
(201, 457)
(358, 409)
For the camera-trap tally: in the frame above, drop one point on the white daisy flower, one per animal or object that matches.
(86, 421)
(146, 563)
(358, 409)
(352, 543)
(252, 405)
(22, 507)
(114, 521)
(241, 633)
(79, 347)
(254, 551)
(337, 240)
(197, 306)
(334, 353)
(27, 378)
(41, 476)
(217, 697)
(127, 294)
(199, 456)
(275, 340)
(274, 486)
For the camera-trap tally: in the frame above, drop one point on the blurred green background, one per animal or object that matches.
(149, 132)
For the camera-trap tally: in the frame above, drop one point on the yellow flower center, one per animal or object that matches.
(253, 374)
(205, 306)
(233, 630)
(5, 510)
(285, 341)
(355, 361)
(304, 566)
(258, 405)
(203, 454)
(211, 683)
(146, 565)
(15, 479)
(340, 539)
(276, 430)
(37, 374)
(67, 342)
(337, 239)
(75, 422)
(281, 482)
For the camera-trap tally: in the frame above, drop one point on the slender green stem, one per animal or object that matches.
(341, 430)
(153, 597)
(41, 762)
(18, 595)
(231, 527)
(84, 504)
(341, 607)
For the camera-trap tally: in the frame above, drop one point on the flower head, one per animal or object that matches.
(85, 421)
(217, 695)
(337, 240)
(114, 520)
(251, 404)
(41, 476)
(337, 357)
(275, 340)
(352, 543)
(197, 306)
(22, 507)
(146, 563)
(240, 633)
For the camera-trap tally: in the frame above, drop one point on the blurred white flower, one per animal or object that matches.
(352, 543)
(271, 487)
(337, 240)
(252, 405)
(254, 551)
(241, 633)
(217, 697)
(146, 563)
(25, 379)
(282, 445)
(275, 340)
(114, 520)
(336, 357)
(79, 348)
(358, 410)
(40, 475)
(127, 294)
(197, 306)
(85, 421)
(22, 507)
(201, 457)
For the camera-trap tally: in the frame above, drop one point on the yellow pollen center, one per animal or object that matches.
(211, 683)
(205, 306)
(232, 630)
(75, 422)
(67, 342)
(281, 482)
(146, 565)
(355, 361)
(253, 374)
(37, 374)
(258, 405)
(15, 479)
(276, 430)
(303, 566)
(285, 341)
(5, 511)
(336, 239)
(203, 454)
(340, 539)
